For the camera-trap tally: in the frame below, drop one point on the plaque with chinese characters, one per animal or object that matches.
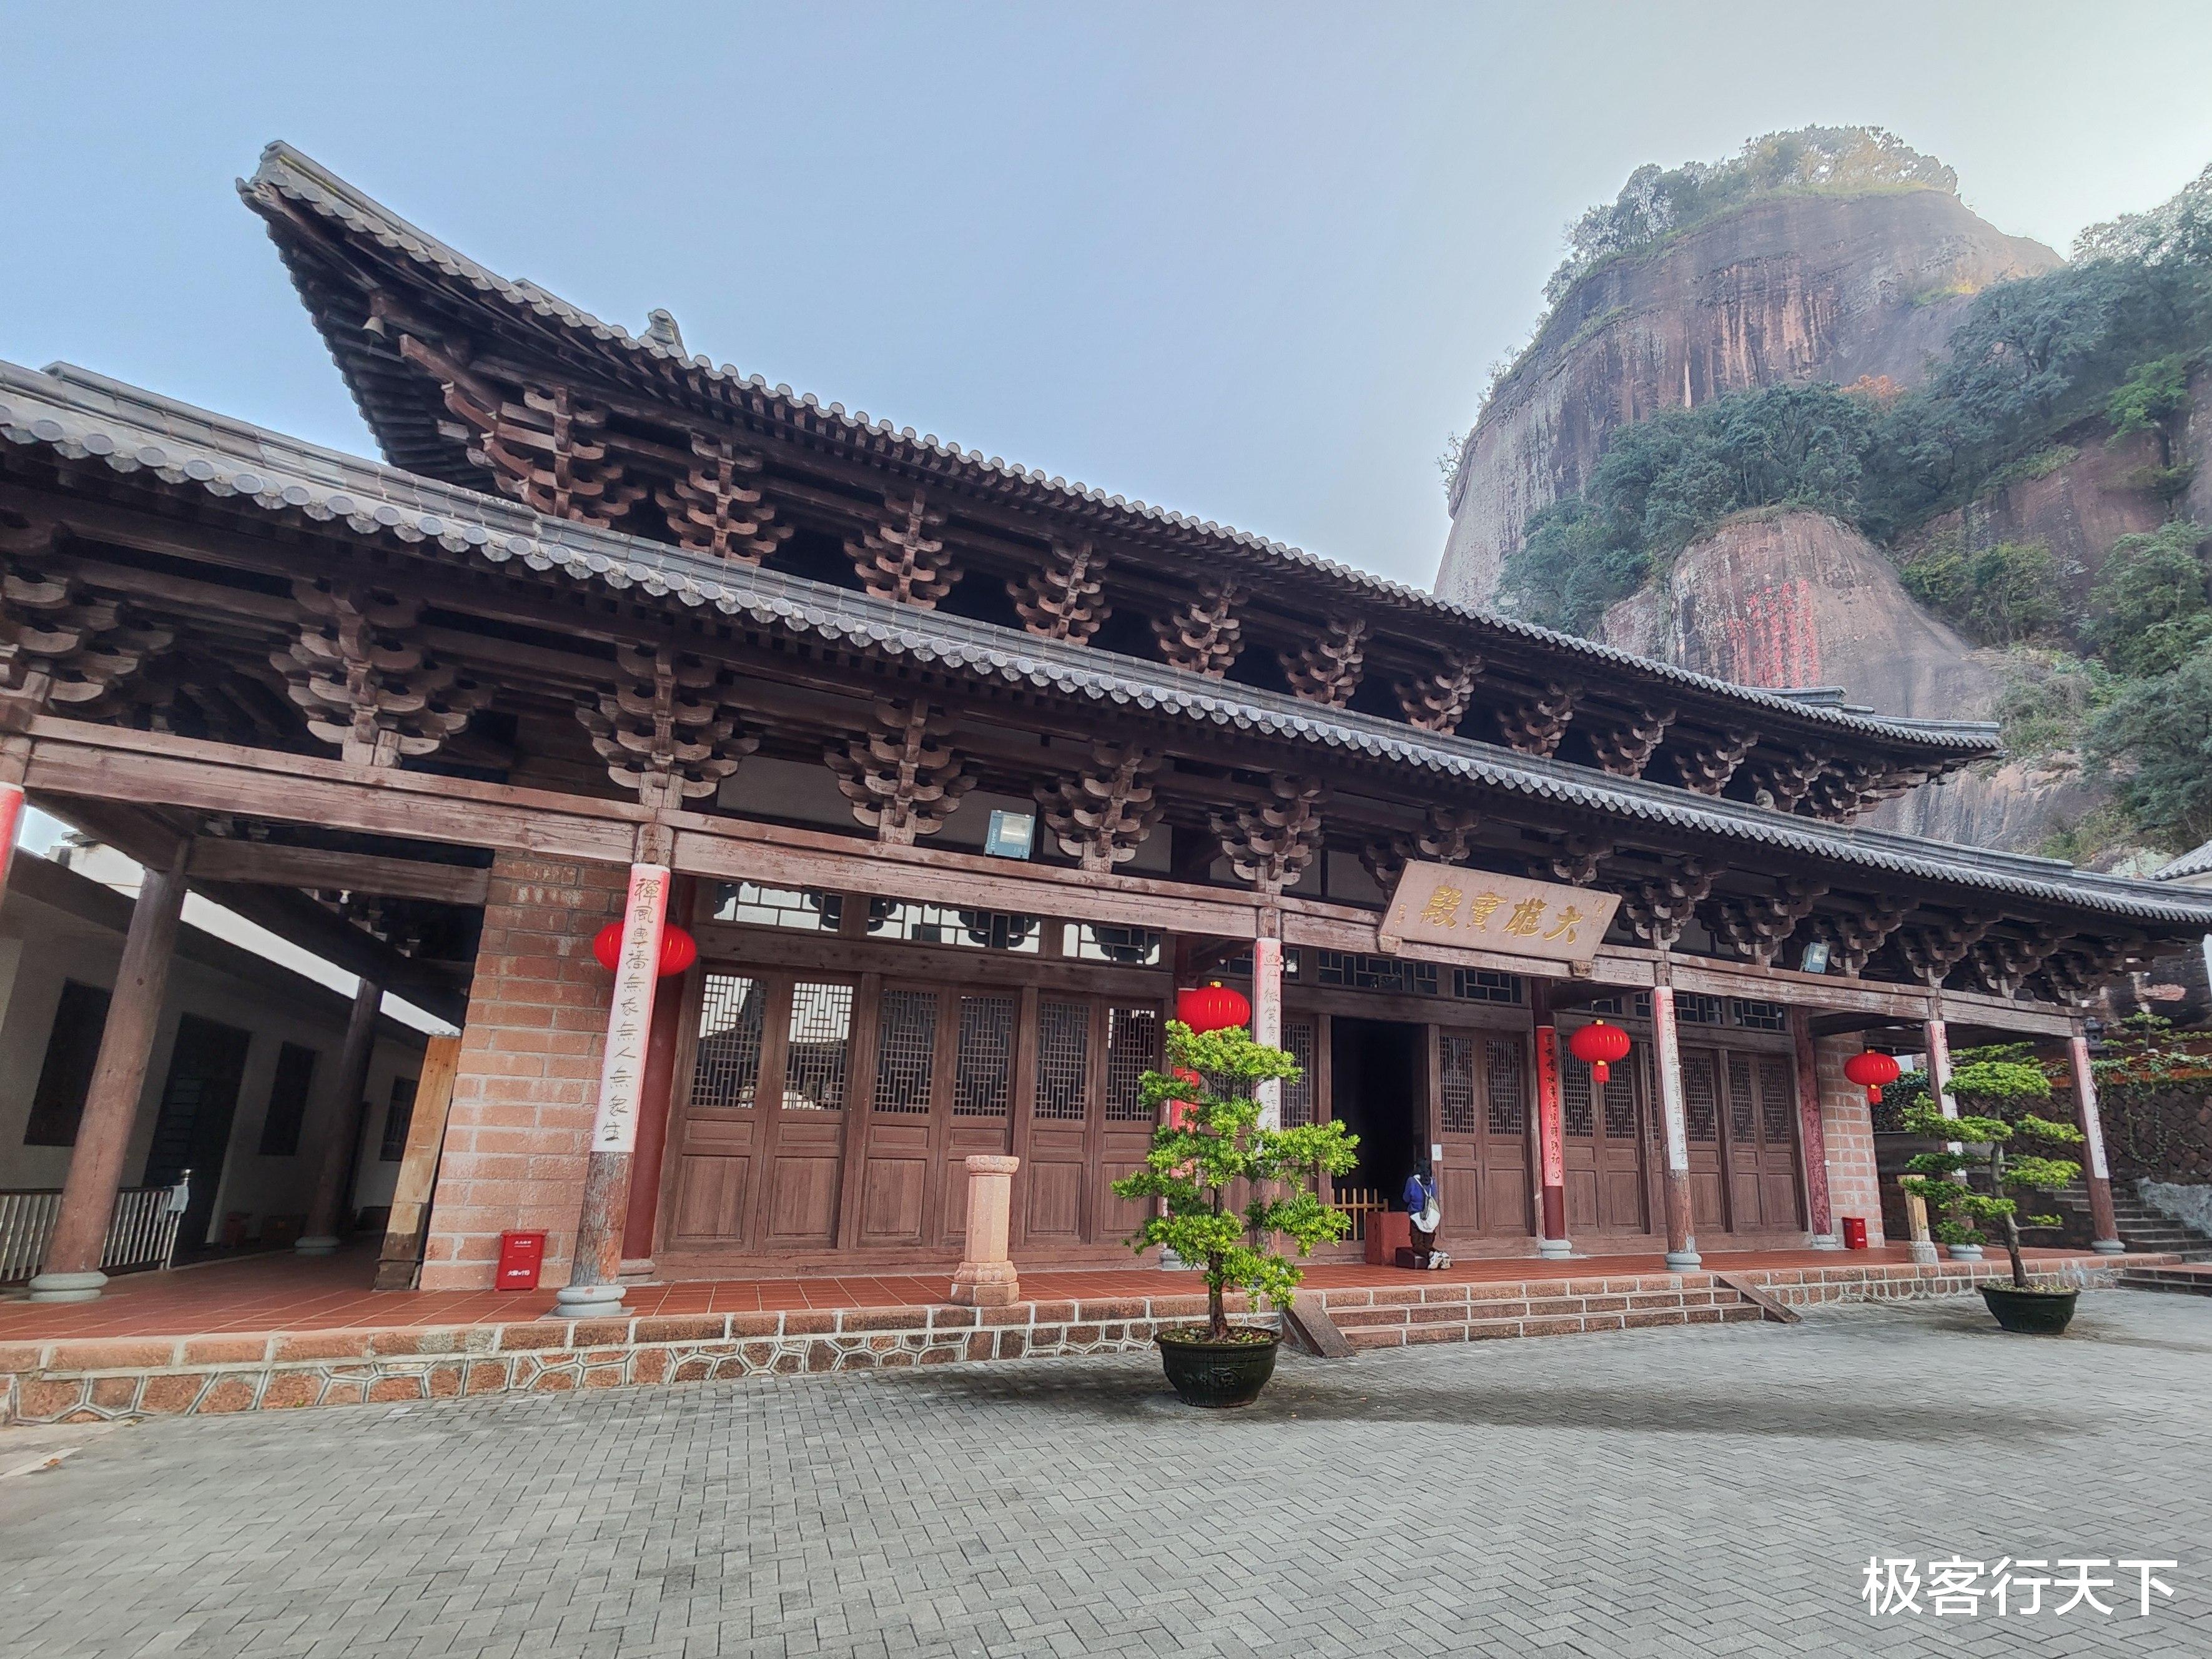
(1442, 904)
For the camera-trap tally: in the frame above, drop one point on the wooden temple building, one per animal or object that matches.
(954, 773)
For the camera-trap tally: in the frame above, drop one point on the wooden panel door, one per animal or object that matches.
(1060, 1107)
(1621, 1142)
(901, 1138)
(1132, 1048)
(718, 1146)
(1578, 1148)
(1781, 1200)
(1740, 1140)
(1507, 1204)
(1701, 1119)
(979, 1114)
(1461, 1193)
(803, 1130)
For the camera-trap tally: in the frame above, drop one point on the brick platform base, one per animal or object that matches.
(90, 1380)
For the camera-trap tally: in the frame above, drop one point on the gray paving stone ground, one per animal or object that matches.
(1652, 1493)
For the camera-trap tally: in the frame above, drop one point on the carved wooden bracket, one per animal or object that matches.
(1847, 788)
(1659, 910)
(1577, 859)
(1448, 838)
(60, 644)
(716, 507)
(1536, 725)
(1065, 599)
(1759, 928)
(2004, 961)
(1327, 670)
(1271, 843)
(1438, 701)
(903, 779)
(899, 558)
(1706, 768)
(1204, 634)
(2079, 969)
(1781, 781)
(1856, 933)
(1101, 814)
(547, 454)
(665, 732)
(1934, 951)
(363, 684)
(1627, 749)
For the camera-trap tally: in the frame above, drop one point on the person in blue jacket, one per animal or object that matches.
(1420, 1200)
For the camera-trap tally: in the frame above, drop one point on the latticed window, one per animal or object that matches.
(1743, 1111)
(1758, 1016)
(906, 1051)
(805, 909)
(942, 924)
(1621, 1099)
(1130, 947)
(1577, 1118)
(1693, 1008)
(1063, 1069)
(1133, 1047)
(1481, 985)
(726, 1071)
(1701, 1106)
(1298, 1093)
(1392, 974)
(1456, 1061)
(1778, 1101)
(821, 1040)
(1508, 1095)
(983, 1058)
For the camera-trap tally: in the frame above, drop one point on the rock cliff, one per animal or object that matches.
(1791, 287)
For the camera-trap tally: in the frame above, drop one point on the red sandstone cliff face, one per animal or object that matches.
(1792, 288)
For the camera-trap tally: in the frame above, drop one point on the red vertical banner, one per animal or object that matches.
(1267, 1020)
(1550, 1133)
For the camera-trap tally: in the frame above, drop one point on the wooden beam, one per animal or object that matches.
(261, 864)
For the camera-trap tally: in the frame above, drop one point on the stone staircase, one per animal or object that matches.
(2142, 1230)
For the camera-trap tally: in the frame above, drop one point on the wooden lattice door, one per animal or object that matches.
(1762, 1143)
(1603, 1141)
(1062, 1104)
(1701, 1123)
(1482, 1119)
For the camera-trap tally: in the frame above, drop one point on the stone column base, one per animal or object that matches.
(316, 1244)
(1922, 1252)
(987, 1284)
(1685, 1261)
(587, 1302)
(68, 1287)
(1555, 1249)
(1824, 1241)
(2109, 1247)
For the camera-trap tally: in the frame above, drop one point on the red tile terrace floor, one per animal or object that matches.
(280, 1292)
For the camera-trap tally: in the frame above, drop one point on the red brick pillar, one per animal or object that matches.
(331, 1184)
(1551, 1145)
(1813, 1135)
(2103, 1222)
(71, 1270)
(1667, 1060)
(594, 1288)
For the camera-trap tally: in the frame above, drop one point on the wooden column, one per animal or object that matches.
(1551, 1144)
(1939, 1080)
(594, 1288)
(1667, 1060)
(332, 1181)
(2103, 1222)
(1812, 1135)
(655, 1102)
(71, 1270)
(1267, 1007)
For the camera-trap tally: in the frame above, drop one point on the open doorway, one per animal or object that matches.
(1376, 1093)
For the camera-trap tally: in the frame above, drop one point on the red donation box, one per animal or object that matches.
(520, 1256)
(1855, 1232)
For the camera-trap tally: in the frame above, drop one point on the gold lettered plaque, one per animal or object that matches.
(1474, 910)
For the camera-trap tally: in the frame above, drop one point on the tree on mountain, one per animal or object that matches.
(2153, 742)
(2149, 611)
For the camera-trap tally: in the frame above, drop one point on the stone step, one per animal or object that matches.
(2187, 1281)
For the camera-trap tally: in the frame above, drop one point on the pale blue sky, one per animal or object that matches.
(1250, 262)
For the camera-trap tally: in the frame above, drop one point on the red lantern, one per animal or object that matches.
(1870, 1070)
(679, 950)
(1211, 1007)
(1600, 1046)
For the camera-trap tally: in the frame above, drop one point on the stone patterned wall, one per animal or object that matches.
(523, 1098)
(91, 1380)
(1854, 1186)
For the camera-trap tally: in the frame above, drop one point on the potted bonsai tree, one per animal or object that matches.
(1206, 1151)
(2000, 1092)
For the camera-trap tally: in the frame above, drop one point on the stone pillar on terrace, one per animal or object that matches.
(1667, 1061)
(594, 1288)
(986, 1278)
(1813, 1135)
(2098, 1173)
(71, 1270)
(332, 1177)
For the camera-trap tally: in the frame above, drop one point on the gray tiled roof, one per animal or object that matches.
(305, 183)
(79, 415)
(2195, 862)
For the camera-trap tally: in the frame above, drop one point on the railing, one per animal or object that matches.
(1359, 1203)
(141, 1233)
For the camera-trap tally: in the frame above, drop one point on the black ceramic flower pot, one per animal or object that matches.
(1215, 1375)
(2031, 1313)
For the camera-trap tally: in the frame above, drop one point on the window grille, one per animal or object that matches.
(906, 1051)
(1298, 1093)
(1701, 1112)
(1127, 947)
(1620, 1098)
(1694, 1008)
(942, 924)
(1577, 1118)
(1508, 1095)
(1778, 1101)
(725, 1074)
(1758, 1016)
(1063, 1070)
(1743, 1111)
(821, 1037)
(1456, 1062)
(1480, 985)
(1389, 974)
(983, 1058)
(1133, 1047)
(1636, 1005)
(807, 910)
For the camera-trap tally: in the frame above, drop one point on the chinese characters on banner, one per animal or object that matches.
(2010, 1588)
(622, 1078)
(1444, 904)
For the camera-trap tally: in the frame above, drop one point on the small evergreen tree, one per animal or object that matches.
(1998, 1091)
(1207, 1147)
